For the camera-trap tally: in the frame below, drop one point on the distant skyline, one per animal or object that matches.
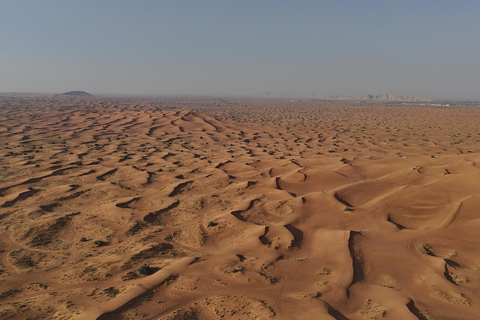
(422, 48)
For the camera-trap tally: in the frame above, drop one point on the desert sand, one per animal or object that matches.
(237, 209)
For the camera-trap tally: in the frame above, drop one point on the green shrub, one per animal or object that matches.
(99, 243)
(145, 269)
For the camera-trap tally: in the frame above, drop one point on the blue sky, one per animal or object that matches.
(421, 48)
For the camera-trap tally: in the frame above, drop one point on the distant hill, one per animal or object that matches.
(77, 94)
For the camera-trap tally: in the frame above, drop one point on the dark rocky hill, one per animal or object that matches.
(77, 94)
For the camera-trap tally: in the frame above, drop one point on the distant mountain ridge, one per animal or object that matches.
(383, 97)
(391, 97)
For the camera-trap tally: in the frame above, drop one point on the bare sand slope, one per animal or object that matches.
(131, 212)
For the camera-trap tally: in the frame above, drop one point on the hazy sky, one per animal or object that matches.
(242, 47)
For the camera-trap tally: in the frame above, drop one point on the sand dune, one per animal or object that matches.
(181, 209)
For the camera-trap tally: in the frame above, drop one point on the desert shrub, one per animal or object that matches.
(111, 292)
(99, 243)
(145, 269)
(425, 248)
(211, 224)
(236, 269)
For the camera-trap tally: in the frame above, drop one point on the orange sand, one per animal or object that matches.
(242, 209)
